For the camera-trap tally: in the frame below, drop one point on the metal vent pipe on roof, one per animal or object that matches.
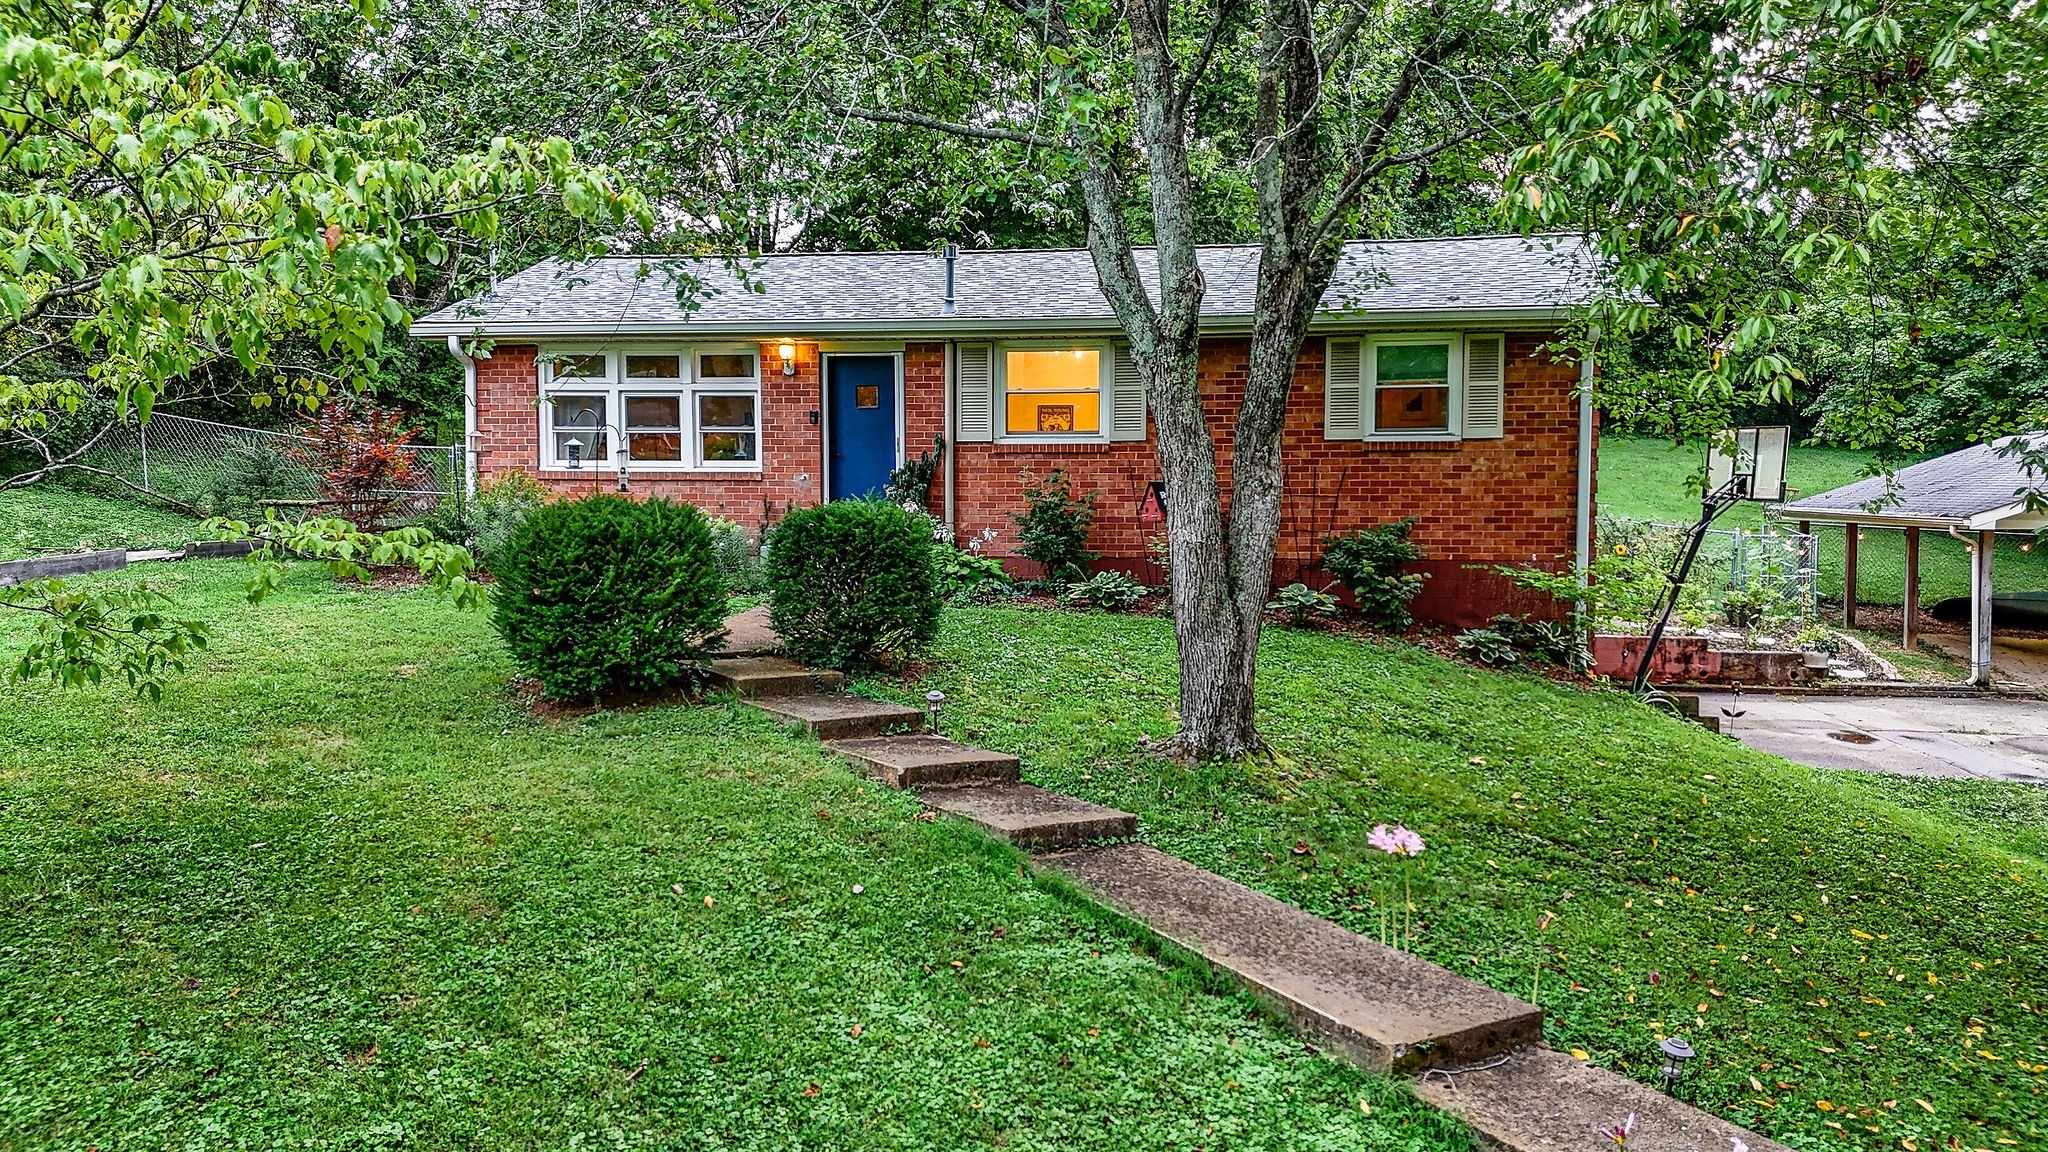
(952, 255)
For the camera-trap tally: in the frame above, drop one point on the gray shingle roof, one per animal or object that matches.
(822, 292)
(1957, 487)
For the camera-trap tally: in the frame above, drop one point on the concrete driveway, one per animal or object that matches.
(1925, 736)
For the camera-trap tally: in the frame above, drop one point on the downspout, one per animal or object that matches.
(950, 306)
(946, 426)
(469, 434)
(1980, 607)
(1586, 416)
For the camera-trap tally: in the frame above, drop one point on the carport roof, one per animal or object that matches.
(1980, 488)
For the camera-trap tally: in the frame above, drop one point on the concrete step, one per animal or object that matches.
(922, 760)
(1381, 1007)
(1543, 1101)
(839, 717)
(1687, 703)
(1031, 818)
(755, 676)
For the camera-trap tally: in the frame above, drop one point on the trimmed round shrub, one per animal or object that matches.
(852, 584)
(609, 594)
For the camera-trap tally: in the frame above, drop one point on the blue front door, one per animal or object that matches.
(861, 400)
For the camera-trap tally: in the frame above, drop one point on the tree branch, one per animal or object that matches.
(1219, 25)
(233, 22)
(918, 120)
(135, 33)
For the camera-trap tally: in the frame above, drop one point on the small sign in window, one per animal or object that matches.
(1055, 418)
(867, 396)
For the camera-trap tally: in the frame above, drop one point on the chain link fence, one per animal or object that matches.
(2019, 564)
(230, 470)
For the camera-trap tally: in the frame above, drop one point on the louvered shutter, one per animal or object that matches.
(974, 411)
(1343, 396)
(1126, 398)
(1485, 387)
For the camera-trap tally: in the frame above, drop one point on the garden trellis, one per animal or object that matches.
(1772, 563)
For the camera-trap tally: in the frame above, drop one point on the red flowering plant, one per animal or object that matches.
(363, 454)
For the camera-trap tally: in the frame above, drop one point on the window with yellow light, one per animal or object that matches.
(1052, 391)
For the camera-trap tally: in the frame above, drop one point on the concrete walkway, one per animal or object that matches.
(1479, 1052)
(1986, 738)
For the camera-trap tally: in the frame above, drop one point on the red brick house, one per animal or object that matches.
(1424, 391)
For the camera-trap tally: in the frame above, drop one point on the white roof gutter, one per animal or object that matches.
(2005, 518)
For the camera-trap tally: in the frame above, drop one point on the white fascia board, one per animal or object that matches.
(1995, 519)
(945, 327)
(1868, 519)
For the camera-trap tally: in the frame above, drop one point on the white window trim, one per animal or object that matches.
(1105, 355)
(615, 386)
(1369, 386)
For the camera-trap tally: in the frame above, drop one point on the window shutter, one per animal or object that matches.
(974, 405)
(1343, 398)
(1485, 387)
(1126, 398)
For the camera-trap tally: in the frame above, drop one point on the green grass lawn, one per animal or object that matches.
(1645, 479)
(1820, 937)
(340, 890)
(53, 518)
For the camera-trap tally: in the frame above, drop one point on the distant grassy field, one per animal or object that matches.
(53, 518)
(1646, 480)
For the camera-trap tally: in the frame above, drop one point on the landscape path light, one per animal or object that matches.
(1676, 1052)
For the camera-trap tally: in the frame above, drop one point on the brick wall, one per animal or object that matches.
(1478, 503)
(792, 448)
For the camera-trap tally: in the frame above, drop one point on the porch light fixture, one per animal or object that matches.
(788, 351)
(933, 701)
(1675, 1052)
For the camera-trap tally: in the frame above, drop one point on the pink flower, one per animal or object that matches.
(1738, 1144)
(1620, 1133)
(1395, 841)
(1544, 920)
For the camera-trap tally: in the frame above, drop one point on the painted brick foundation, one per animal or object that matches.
(1477, 503)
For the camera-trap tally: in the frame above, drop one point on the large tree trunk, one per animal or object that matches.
(1307, 185)
(1221, 545)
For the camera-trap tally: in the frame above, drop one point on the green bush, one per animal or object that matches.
(1053, 528)
(739, 557)
(484, 522)
(911, 482)
(249, 474)
(1559, 642)
(966, 576)
(1369, 562)
(1486, 646)
(852, 584)
(1299, 604)
(1109, 591)
(606, 593)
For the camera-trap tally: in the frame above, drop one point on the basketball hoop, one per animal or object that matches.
(1742, 464)
(1749, 463)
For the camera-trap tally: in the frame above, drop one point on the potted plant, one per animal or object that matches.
(1818, 644)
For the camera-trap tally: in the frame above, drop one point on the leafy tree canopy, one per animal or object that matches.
(165, 212)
